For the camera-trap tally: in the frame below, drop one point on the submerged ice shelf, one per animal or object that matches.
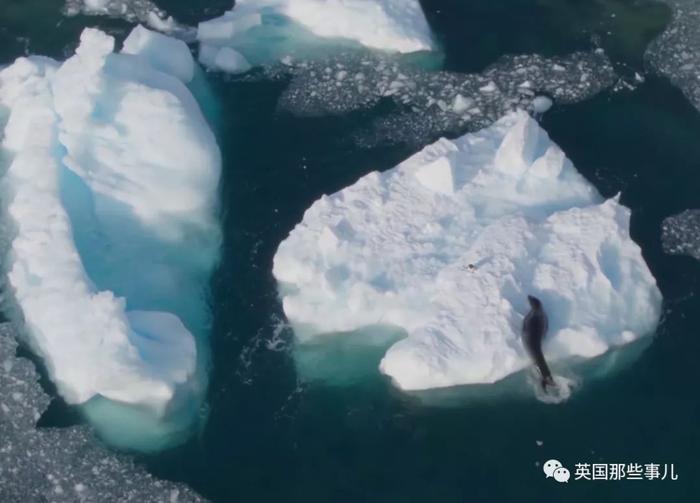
(393, 251)
(109, 199)
(259, 32)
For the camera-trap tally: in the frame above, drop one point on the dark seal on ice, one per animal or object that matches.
(535, 327)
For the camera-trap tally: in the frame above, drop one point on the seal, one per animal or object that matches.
(535, 327)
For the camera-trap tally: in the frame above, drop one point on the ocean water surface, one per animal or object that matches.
(270, 435)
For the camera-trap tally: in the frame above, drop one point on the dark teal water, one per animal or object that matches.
(270, 437)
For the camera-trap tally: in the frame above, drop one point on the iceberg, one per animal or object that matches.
(110, 218)
(444, 249)
(259, 32)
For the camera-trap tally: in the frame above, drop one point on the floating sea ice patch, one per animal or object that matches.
(675, 53)
(430, 104)
(110, 184)
(680, 234)
(267, 31)
(504, 200)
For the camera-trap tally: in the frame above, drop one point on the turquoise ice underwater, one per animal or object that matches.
(358, 432)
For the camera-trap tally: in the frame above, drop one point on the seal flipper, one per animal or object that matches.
(546, 381)
(546, 378)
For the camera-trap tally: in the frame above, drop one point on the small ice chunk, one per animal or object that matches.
(461, 104)
(541, 104)
(227, 26)
(155, 21)
(231, 61)
(97, 5)
(491, 87)
(165, 53)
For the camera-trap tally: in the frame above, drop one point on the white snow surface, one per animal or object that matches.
(121, 129)
(389, 25)
(394, 249)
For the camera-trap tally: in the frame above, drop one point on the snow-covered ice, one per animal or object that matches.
(109, 204)
(266, 31)
(394, 251)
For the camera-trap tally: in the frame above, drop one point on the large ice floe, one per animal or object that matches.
(109, 201)
(393, 253)
(258, 32)
(676, 52)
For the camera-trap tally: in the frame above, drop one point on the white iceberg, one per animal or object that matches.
(109, 196)
(393, 251)
(265, 31)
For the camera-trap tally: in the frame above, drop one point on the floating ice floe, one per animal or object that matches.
(430, 103)
(445, 248)
(676, 52)
(680, 234)
(62, 465)
(109, 204)
(258, 32)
